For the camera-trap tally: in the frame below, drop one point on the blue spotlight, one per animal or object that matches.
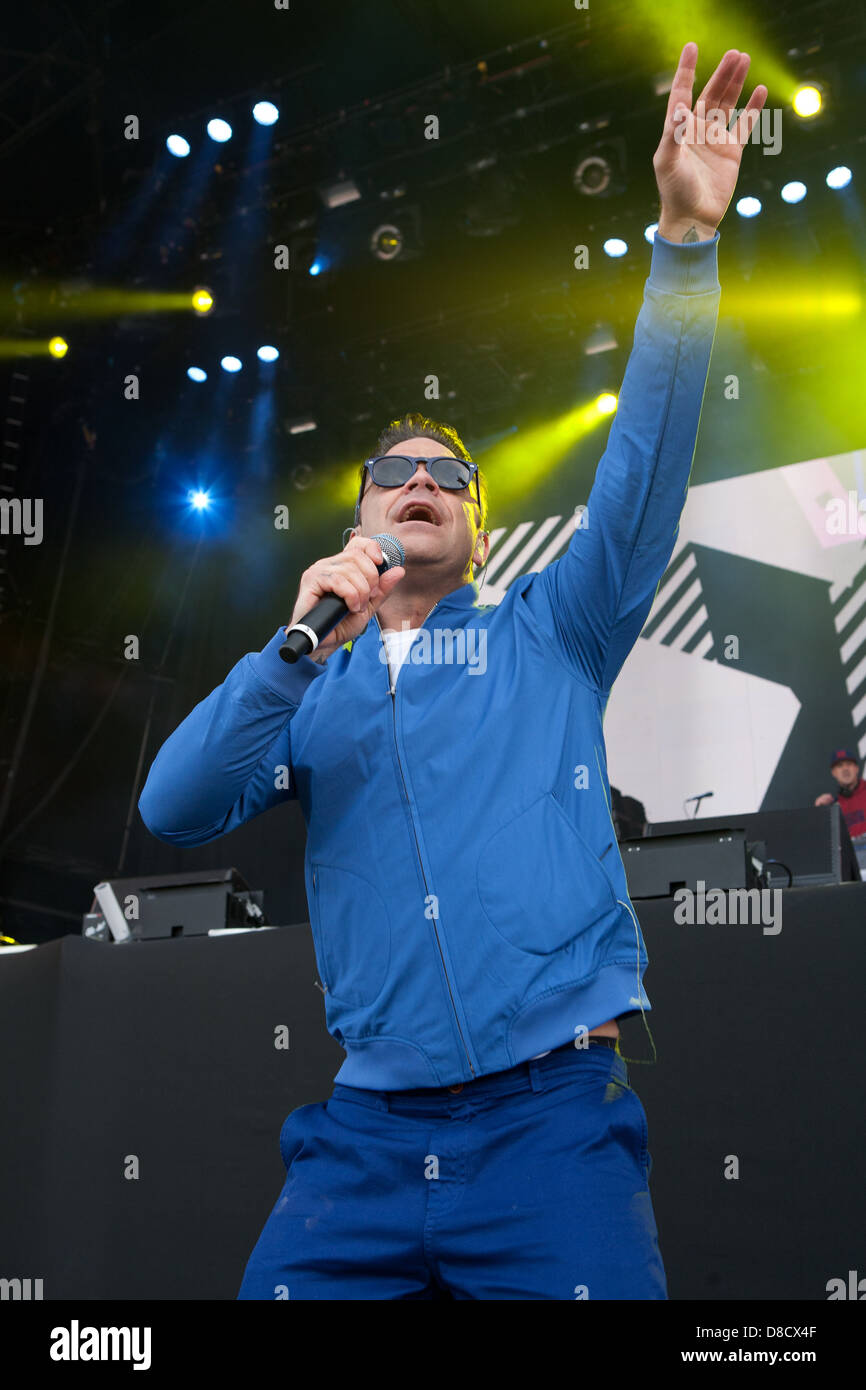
(176, 145)
(230, 364)
(614, 246)
(196, 374)
(200, 500)
(794, 192)
(265, 113)
(267, 353)
(748, 207)
(219, 130)
(650, 231)
(839, 177)
(317, 267)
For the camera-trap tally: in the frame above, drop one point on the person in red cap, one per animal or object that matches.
(845, 768)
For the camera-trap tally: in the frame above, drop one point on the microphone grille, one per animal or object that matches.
(392, 551)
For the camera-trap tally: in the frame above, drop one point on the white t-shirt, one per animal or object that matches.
(397, 645)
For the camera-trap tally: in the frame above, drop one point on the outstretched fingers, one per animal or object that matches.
(746, 120)
(725, 84)
(684, 78)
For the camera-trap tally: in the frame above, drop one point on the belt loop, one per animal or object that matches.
(619, 1069)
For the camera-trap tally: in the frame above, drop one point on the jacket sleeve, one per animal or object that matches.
(596, 597)
(221, 766)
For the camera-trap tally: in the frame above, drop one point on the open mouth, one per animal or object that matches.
(418, 512)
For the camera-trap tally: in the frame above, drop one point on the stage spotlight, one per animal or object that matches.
(230, 364)
(807, 101)
(592, 176)
(335, 195)
(840, 177)
(267, 354)
(605, 404)
(601, 339)
(302, 476)
(58, 347)
(386, 243)
(200, 500)
(748, 207)
(265, 113)
(202, 300)
(299, 426)
(794, 192)
(615, 246)
(650, 231)
(318, 266)
(219, 130)
(176, 145)
(196, 374)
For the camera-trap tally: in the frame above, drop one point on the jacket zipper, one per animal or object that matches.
(393, 693)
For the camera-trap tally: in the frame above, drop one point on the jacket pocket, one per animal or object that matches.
(539, 882)
(352, 933)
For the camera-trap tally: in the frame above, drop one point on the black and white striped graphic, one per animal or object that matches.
(530, 547)
(678, 617)
(849, 617)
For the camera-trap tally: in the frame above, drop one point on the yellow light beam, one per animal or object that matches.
(765, 305)
(49, 301)
(714, 29)
(518, 465)
(30, 347)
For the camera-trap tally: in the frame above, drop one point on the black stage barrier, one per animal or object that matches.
(162, 1054)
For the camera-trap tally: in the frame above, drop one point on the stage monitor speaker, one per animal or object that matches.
(188, 904)
(658, 867)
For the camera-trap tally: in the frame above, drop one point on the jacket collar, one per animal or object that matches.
(464, 597)
(460, 599)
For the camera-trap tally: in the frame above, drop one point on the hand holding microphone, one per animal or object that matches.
(354, 583)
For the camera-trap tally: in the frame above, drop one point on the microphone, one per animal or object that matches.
(304, 636)
(698, 799)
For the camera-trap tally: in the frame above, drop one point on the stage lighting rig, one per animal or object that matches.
(392, 241)
(600, 171)
(601, 339)
(336, 195)
(386, 243)
(808, 100)
(202, 300)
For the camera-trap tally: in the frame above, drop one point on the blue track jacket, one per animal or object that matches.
(467, 897)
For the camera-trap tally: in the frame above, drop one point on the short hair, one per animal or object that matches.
(418, 426)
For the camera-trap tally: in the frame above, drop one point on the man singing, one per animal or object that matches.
(469, 907)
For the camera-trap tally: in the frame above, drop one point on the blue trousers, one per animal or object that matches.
(524, 1184)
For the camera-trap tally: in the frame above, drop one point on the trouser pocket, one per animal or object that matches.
(291, 1134)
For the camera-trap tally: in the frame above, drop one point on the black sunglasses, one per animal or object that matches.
(395, 470)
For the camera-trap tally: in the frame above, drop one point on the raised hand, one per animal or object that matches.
(698, 160)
